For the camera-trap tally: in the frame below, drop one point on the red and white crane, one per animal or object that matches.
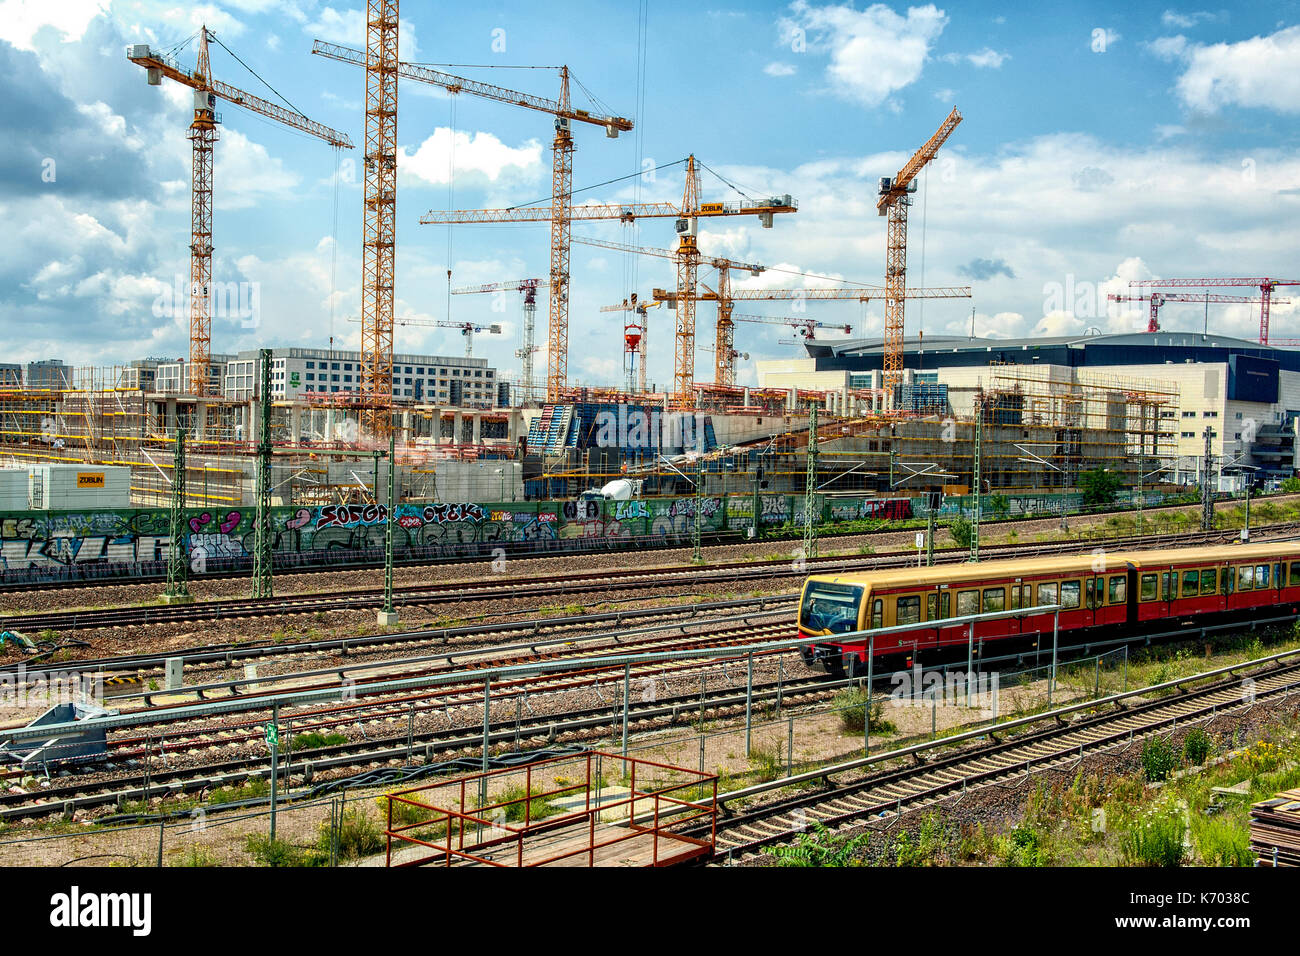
(1264, 285)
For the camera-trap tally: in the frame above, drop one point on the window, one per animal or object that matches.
(932, 606)
(1047, 593)
(311, 364)
(995, 599)
(1207, 581)
(968, 602)
(1261, 576)
(908, 610)
(1245, 578)
(1191, 583)
(311, 376)
(1295, 574)
(1168, 580)
(1069, 593)
(1227, 579)
(830, 607)
(1117, 589)
(1149, 587)
(876, 611)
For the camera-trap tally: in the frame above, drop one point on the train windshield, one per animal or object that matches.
(830, 607)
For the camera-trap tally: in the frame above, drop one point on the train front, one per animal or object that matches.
(827, 608)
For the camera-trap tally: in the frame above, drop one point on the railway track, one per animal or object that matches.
(522, 731)
(558, 586)
(927, 782)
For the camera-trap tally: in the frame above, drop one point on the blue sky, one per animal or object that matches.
(1100, 143)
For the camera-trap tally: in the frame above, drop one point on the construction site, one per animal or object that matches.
(262, 426)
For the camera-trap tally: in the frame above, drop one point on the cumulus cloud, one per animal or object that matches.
(21, 20)
(1258, 72)
(472, 153)
(873, 53)
(1184, 21)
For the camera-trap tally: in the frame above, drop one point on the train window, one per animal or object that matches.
(931, 606)
(1047, 593)
(1015, 596)
(1261, 575)
(994, 599)
(1277, 576)
(1191, 583)
(1245, 578)
(1167, 582)
(830, 607)
(908, 610)
(1027, 595)
(1295, 574)
(1208, 581)
(1069, 594)
(876, 612)
(1226, 580)
(968, 602)
(1118, 590)
(1149, 587)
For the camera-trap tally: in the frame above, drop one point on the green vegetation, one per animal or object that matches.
(819, 848)
(1156, 839)
(962, 531)
(311, 740)
(852, 704)
(1197, 746)
(1158, 759)
(1100, 486)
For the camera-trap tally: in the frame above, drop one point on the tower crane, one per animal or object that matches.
(1157, 299)
(636, 335)
(805, 327)
(529, 289)
(562, 148)
(687, 216)
(1264, 285)
(895, 197)
(726, 331)
(467, 329)
(203, 137)
(724, 367)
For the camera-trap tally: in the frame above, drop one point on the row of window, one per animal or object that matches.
(1095, 592)
(347, 367)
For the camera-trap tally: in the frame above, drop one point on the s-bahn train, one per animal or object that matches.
(1132, 591)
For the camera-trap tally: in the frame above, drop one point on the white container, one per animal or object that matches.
(13, 489)
(76, 487)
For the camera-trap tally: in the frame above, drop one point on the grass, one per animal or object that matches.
(312, 740)
(1156, 839)
(819, 847)
(248, 790)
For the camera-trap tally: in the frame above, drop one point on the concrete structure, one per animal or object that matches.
(1247, 393)
(417, 379)
(48, 374)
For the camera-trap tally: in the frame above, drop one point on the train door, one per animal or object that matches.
(1131, 615)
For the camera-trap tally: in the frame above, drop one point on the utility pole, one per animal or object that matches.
(1207, 485)
(178, 565)
(262, 587)
(975, 477)
(810, 490)
(697, 557)
(929, 528)
(388, 615)
(758, 504)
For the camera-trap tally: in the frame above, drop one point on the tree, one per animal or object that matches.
(1099, 486)
(1291, 485)
(962, 531)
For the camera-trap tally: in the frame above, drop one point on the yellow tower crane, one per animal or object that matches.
(894, 199)
(203, 137)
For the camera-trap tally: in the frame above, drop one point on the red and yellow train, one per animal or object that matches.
(1096, 592)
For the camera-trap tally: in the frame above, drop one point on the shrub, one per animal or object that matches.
(268, 852)
(1024, 846)
(358, 836)
(1156, 839)
(312, 740)
(818, 848)
(961, 531)
(851, 703)
(1158, 759)
(1197, 746)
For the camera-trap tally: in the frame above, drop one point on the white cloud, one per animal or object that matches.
(20, 20)
(1168, 48)
(349, 27)
(1259, 72)
(1183, 21)
(780, 69)
(986, 57)
(873, 52)
(477, 153)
